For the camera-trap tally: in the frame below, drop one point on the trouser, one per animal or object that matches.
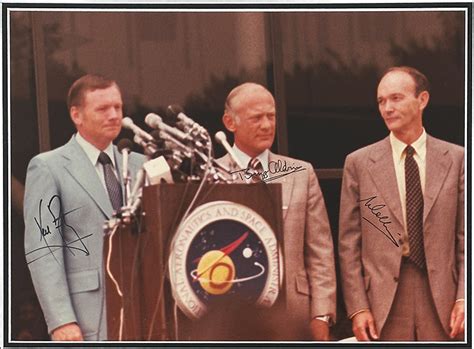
(413, 315)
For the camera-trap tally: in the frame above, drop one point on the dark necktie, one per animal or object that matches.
(414, 207)
(111, 182)
(256, 169)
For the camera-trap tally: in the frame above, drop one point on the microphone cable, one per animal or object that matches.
(117, 286)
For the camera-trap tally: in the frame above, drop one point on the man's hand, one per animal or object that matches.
(67, 332)
(456, 322)
(320, 330)
(361, 323)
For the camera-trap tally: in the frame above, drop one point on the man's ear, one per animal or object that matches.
(229, 122)
(75, 115)
(424, 98)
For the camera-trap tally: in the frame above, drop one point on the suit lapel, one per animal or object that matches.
(437, 167)
(382, 171)
(287, 183)
(82, 170)
(229, 163)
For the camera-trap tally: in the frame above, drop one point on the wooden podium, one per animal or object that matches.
(138, 260)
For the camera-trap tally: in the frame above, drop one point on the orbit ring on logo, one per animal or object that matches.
(221, 251)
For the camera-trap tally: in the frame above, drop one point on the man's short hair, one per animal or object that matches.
(235, 92)
(421, 81)
(86, 83)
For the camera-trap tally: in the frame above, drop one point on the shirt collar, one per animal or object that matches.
(92, 152)
(245, 159)
(419, 145)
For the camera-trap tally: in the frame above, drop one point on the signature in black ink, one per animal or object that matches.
(59, 221)
(385, 220)
(274, 167)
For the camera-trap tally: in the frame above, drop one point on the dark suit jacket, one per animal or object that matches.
(370, 259)
(308, 246)
(66, 264)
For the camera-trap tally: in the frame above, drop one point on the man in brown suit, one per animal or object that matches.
(308, 248)
(401, 238)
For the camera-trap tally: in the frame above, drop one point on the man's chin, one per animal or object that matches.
(112, 133)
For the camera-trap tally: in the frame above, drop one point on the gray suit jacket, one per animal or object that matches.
(308, 246)
(370, 259)
(65, 208)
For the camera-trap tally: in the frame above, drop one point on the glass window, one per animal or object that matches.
(332, 61)
(158, 59)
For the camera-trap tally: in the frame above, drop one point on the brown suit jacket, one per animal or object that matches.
(308, 246)
(370, 230)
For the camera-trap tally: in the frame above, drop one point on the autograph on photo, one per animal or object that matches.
(280, 168)
(59, 222)
(384, 220)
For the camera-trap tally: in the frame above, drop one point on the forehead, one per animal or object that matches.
(106, 95)
(253, 99)
(396, 82)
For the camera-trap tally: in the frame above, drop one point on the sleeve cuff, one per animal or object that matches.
(358, 312)
(325, 318)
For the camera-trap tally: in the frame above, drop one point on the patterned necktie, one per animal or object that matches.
(256, 169)
(111, 182)
(414, 208)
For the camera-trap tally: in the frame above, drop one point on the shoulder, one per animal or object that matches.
(303, 170)
(290, 161)
(454, 149)
(50, 157)
(364, 152)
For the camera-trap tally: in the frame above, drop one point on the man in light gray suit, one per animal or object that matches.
(70, 192)
(401, 238)
(308, 248)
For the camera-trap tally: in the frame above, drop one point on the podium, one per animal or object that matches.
(139, 260)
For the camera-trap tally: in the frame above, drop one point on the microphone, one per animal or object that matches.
(176, 113)
(148, 147)
(124, 146)
(139, 182)
(128, 123)
(221, 138)
(155, 121)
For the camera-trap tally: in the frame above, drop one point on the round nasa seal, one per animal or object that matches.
(224, 250)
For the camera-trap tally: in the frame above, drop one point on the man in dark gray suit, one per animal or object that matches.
(70, 192)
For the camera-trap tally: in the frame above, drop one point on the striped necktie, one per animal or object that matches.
(414, 208)
(111, 182)
(256, 169)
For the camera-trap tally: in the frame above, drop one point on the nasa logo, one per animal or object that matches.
(224, 250)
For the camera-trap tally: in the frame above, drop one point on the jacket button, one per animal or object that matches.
(395, 279)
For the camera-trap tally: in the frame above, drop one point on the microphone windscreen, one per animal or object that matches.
(172, 113)
(155, 134)
(158, 140)
(124, 143)
(220, 137)
(153, 120)
(127, 122)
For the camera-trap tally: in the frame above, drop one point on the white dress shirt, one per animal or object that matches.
(399, 156)
(93, 154)
(245, 159)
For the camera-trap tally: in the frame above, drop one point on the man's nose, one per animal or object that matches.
(115, 113)
(266, 122)
(388, 107)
